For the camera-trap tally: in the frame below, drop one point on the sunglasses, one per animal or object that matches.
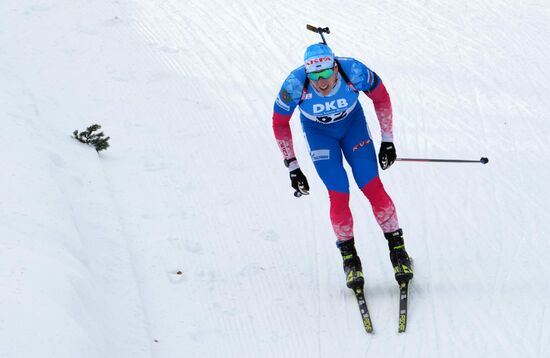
(314, 76)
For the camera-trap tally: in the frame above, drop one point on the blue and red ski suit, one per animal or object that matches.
(334, 125)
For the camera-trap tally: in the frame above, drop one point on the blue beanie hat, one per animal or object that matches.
(318, 57)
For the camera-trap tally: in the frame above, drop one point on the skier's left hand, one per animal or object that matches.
(387, 155)
(299, 183)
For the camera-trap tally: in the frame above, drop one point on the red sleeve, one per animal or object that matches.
(382, 106)
(283, 135)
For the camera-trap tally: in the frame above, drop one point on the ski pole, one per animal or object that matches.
(482, 160)
(319, 30)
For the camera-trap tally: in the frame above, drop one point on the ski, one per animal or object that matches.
(362, 302)
(403, 303)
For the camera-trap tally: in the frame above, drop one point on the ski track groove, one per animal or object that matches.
(129, 249)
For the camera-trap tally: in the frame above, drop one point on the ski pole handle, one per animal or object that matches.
(482, 160)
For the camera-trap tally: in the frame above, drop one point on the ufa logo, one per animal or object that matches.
(317, 60)
(330, 106)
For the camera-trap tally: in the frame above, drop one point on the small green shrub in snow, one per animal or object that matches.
(91, 137)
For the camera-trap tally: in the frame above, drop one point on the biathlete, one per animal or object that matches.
(326, 90)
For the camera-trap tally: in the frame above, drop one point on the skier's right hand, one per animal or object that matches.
(299, 183)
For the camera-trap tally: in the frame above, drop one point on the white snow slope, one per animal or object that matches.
(90, 245)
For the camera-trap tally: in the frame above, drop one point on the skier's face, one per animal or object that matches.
(325, 85)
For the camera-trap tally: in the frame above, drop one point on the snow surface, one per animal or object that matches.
(90, 245)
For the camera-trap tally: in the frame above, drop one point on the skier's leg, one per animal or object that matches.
(382, 205)
(326, 155)
(384, 211)
(359, 151)
(340, 215)
(342, 224)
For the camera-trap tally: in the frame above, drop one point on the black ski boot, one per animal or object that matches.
(399, 257)
(352, 264)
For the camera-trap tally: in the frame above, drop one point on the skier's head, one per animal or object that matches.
(318, 57)
(321, 68)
